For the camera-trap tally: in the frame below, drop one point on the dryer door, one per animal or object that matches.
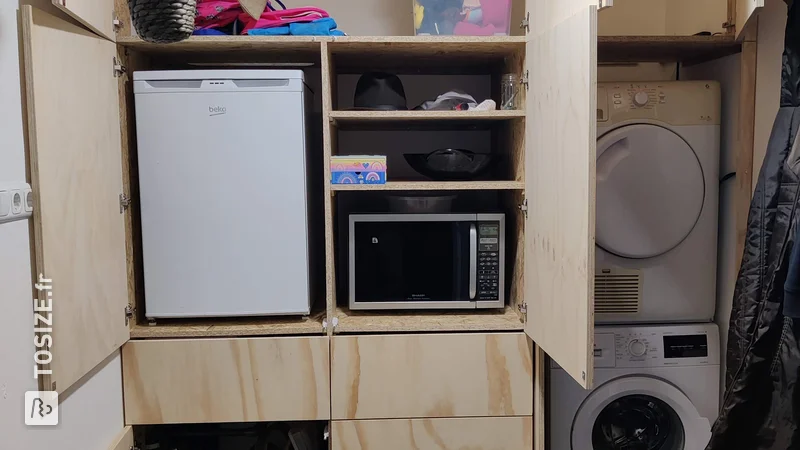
(639, 412)
(650, 191)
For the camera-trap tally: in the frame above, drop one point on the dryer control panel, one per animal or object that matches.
(672, 102)
(656, 346)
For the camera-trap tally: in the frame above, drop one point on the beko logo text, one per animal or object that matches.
(216, 110)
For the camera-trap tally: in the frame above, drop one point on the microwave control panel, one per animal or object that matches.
(488, 260)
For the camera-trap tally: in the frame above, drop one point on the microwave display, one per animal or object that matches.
(421, 261)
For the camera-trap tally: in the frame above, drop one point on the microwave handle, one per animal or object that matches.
(473, 261)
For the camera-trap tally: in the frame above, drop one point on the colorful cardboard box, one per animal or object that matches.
(358, 169)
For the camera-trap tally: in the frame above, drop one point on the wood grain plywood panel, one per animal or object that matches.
(97, 15)
(432, 186)
(560, 183)
(226, 380)
(124, 441)
(431, 375)
(486, 433)
(427, 321)
(746, 10)
(76, 175)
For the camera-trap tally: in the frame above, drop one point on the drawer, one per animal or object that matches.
(483, 433)
(226, 380)
(431, 375)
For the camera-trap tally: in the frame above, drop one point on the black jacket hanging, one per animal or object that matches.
(759, 409)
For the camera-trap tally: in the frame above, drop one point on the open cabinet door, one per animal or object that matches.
(745, 14)
(561, 61)
(97, 15)
(124, 441)
(76, 174)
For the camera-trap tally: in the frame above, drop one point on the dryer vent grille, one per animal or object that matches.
(617, 291)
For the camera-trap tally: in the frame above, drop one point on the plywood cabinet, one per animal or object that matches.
(430, 375)
(484, 433)
(226, 380)
(425, 378)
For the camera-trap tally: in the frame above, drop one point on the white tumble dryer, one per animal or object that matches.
(656, 387)
(657, 194)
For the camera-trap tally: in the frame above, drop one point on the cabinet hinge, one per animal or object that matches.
(124, 202)
(119, 69)
(603, 4)
(524, 207)
(327, 433)
(523, 309)
(129, 313)
(134, 447)
(526, 22)
(523, 80)
(728, 24)
(116, 23)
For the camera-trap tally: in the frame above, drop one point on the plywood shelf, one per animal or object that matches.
(427, 321)
(433, 186)
(689, 49)
(355, 117)
(223, 43)
(267, 326)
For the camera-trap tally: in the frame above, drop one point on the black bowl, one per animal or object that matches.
(451, 164)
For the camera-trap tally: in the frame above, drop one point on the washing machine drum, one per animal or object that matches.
(639, 413)
(650, 191)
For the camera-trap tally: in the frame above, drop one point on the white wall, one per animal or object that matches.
(91, 412)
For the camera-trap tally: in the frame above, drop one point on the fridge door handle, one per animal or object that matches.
(473, 261)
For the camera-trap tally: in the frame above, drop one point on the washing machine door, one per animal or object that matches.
(639, 413)
(650, 191)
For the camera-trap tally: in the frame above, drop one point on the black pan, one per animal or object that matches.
(451, 164)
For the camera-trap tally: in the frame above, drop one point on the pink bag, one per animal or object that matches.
(271, 19)
(216, 13)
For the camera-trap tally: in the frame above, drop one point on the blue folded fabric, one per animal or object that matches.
(274, 31)
(320, 27)
(209, 32)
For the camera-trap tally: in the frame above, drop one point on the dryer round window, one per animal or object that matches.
(650, 191)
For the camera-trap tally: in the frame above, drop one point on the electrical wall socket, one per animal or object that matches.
(16, 201)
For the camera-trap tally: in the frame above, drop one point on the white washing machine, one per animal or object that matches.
(657, 194)
(656, 387)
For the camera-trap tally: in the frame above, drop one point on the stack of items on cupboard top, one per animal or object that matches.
(377, 91)
(229, 17)
(462, 17)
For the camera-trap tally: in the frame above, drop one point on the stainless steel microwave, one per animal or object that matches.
(426, 261)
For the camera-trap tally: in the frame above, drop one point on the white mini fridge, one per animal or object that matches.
(222, 184)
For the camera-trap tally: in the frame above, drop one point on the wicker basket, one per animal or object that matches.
(163, 20)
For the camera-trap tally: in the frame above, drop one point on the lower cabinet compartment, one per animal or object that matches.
(233, 436)
(479, 433)
(431, 375)
(226, 380)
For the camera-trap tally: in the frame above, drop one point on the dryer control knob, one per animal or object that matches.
(640, 98)
(637, 348)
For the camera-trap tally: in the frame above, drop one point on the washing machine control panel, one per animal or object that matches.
(655, 346)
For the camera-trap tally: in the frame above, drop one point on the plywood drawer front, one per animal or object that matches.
(431, 375)
(484, 433)
(226, 380)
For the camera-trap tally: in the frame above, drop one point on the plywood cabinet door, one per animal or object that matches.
(97, 15)
(745, 14)
(431, 375)
(561, 61)
(480, 433)
(76, 173)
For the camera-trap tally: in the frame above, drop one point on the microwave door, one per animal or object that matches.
(414, 264)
